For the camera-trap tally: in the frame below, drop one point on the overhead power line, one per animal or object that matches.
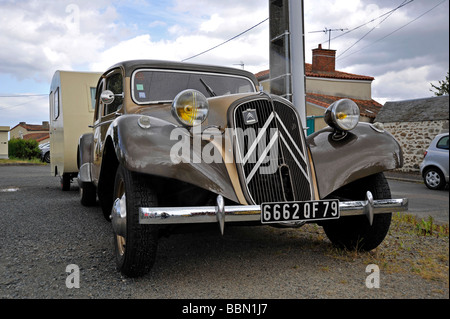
(373, 20)
(236, 36)
(37, 96)
(367, 33)
(398, 29)
(23, 95)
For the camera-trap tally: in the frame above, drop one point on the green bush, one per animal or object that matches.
(23, 149)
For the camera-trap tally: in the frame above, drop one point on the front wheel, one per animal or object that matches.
(88, 194)
(135, 244)
(355, 232)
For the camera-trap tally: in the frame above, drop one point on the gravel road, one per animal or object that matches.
(43, 230)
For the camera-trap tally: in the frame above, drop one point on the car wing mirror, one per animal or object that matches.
(107, 96)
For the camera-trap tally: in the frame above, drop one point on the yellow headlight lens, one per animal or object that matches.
(190, 107)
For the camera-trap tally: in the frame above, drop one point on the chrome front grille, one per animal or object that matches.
(270, 152)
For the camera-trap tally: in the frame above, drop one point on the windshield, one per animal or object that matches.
(161, 85)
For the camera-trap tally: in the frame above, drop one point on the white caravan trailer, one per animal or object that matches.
(72, 102)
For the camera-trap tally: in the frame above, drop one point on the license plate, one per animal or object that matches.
(299, 211)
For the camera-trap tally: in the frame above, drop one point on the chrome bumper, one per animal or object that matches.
(249, 213)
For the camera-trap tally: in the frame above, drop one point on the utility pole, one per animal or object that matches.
(287, 54)
(329, 33)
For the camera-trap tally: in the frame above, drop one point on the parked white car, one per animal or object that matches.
(434, 167)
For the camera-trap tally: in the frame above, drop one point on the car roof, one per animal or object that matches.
(439, 136)
(130, 66)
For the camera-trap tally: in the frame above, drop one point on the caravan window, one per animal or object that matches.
(56, 104)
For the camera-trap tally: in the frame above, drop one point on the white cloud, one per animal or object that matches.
(408, 83)
(43, 36)
(212, 24)
(52, 36)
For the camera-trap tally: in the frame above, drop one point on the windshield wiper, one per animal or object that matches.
(208, 88)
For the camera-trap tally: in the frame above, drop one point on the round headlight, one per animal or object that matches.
(342, 115)
(190, 107)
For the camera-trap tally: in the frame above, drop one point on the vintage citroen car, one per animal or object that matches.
(176, 145)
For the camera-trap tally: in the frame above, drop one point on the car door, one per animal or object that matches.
(105, 115)
(441, 153)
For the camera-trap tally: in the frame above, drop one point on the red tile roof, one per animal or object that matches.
(333, 75)
(367, 108)
(36, 136)
(32, 127)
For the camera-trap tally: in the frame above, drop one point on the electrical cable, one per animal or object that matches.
(389, 34)
(360, 26)
(367, 33)
(23, 95)
(236, 36)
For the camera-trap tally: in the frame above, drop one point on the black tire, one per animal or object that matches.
(355, 232)
(434, 179)
(47, 157)
(136, 251)
(88, 194)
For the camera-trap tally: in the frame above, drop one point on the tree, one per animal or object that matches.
(442, 89)
(23, 149)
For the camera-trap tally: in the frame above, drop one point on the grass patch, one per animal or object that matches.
(13, 160)
(412, 246)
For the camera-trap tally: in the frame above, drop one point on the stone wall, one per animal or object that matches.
(415, 137)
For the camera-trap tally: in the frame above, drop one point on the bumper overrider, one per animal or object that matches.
(245, 213)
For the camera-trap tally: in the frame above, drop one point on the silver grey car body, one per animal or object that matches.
(45, 152)
(434, 167)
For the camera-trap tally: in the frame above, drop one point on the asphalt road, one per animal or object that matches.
(45, 233)
(423, 202)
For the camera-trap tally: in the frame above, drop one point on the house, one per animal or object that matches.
(325, 85)
(37, 132)
(4, 142)
(414, 123)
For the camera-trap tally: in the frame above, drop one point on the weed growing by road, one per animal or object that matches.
(412, 246)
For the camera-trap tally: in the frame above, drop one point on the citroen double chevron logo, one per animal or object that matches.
(281, 134)
(250, 116)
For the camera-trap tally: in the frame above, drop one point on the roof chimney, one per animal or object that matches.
(323, 60)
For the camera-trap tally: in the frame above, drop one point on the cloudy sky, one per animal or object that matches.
(404, 44)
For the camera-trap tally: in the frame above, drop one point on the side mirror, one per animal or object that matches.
(107, 97)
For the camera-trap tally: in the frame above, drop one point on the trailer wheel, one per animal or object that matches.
(355, 232)
(65, 182)
(135, 244)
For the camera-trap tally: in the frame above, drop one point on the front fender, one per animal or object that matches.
(363, 152)
(84, 160)
(148, 151)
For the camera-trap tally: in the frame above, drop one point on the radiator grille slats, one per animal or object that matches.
(271, 157)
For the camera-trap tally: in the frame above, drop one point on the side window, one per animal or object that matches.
(97, 103)
(443, 143)
(114, 84)
(92, 91)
